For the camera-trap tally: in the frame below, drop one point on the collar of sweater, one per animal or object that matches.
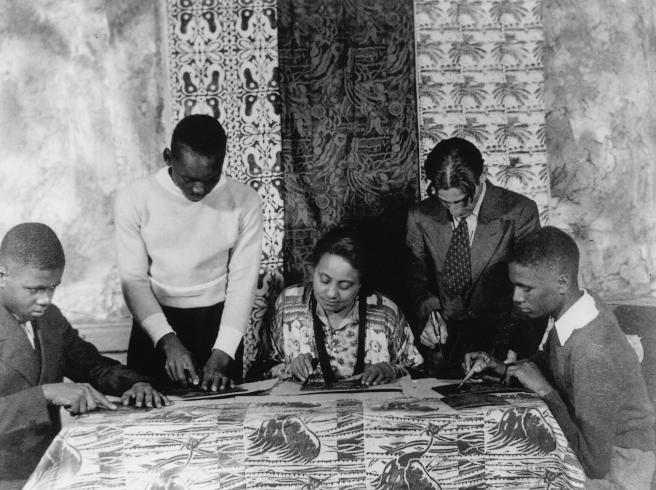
(164, 178)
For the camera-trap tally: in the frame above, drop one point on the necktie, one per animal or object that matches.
(457, 265)
(550, 325)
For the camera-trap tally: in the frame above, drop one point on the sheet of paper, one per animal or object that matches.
(420, 388)
(193, 393)
(294, 388)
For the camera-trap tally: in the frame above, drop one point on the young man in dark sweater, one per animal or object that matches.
(585, 369)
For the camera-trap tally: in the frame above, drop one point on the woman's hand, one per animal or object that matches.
(379, 373)
(302, 366)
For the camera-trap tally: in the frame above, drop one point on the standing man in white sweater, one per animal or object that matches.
(189, 244)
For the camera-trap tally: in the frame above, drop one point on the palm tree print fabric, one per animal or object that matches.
(223, 58)
(400, 444)
(480, 77)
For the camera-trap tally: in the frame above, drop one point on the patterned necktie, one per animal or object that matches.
(457, 265)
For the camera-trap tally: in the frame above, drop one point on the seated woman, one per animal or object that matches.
(335, 323)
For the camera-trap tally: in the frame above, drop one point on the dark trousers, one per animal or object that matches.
(197, 329)
(465, 336)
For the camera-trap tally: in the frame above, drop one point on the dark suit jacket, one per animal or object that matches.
(27, 422)
(503, 219)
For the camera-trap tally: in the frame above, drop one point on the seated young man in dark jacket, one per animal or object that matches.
(585, 370)
(38, 347)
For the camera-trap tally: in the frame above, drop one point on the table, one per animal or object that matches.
(377, 441)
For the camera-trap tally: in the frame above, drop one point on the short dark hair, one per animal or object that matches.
(201, 133)
(547, 247)
(454, 163)
(34, 245)
(347, 243)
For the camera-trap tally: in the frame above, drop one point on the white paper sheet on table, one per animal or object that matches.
(250, 389)
(287, 388)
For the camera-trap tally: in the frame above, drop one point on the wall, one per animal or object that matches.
(83, 95)
(600, 91)
(81, 108)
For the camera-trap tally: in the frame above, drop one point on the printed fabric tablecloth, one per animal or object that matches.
(307, 443)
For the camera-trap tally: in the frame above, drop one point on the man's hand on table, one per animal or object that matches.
(435, 331)
(144, 395)
(530, 376)
(179, 364)
(77, 398)
(215, 371)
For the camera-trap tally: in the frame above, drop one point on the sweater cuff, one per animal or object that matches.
(228, 340)
(156, 326)
(555, 404)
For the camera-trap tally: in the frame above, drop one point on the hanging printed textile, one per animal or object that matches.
(223, 57)
(480, 77)
(349, 128)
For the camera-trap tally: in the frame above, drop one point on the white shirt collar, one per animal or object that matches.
(28, 329)
(164, 178)
(577, 316)
(473, 217)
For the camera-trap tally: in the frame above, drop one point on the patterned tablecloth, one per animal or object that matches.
(307, 443)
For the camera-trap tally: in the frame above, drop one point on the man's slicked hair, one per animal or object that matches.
(34, 245)
(454, 163)
(549, 248)
(201, 133)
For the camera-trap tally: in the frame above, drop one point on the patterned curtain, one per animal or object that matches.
(223, 56)
(480, 73)
(337, 142)
(349, 124)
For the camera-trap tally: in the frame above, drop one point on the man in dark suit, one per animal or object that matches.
(459, 240)
(38, 347)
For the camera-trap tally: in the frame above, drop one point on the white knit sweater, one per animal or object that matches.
(185, 254)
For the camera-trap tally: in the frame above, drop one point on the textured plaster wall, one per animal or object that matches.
(81, 104)
(600, 95)
(82, 95)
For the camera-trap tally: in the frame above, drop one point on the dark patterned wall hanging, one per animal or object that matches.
(349, 123)
(223, 56)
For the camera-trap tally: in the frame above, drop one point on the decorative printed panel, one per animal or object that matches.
(480, 77)
(223, 58)
(349, 137)
(396, 444)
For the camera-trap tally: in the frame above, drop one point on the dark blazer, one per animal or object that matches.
(504, 217)
(27, 422)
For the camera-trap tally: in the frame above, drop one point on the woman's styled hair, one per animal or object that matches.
(347, 243)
